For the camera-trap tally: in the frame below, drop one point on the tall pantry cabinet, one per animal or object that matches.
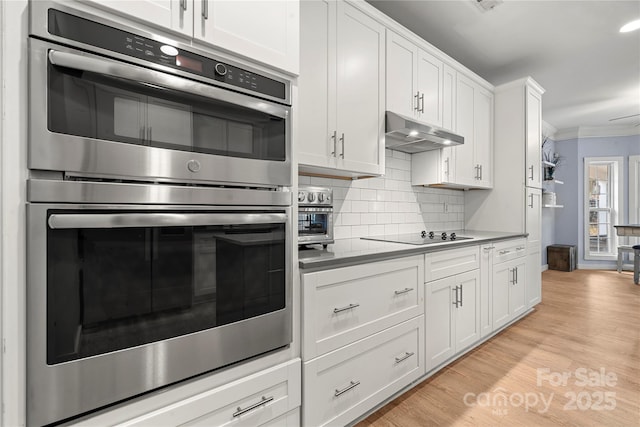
(514, 204)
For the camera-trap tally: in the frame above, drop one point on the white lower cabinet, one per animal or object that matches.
(533, 284)
(508, 291)
(266, 398)
(343, 305)
(344, 384)
(452, 316)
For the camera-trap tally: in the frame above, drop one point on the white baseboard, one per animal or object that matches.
(544, 268)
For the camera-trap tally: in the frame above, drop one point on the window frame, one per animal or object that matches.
(616, 205)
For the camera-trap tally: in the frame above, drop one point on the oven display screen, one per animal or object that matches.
(189, 63)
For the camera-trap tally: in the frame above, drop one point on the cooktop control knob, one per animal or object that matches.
(423, 234)
(431, 234)
(443, 235)
(221, 69)
(453, 236)
(311, 197)
(301, 196)
(321, 197)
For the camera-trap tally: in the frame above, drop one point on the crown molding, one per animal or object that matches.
(595, 132)
(548, 130)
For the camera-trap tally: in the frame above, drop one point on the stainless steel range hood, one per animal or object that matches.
(411, 136)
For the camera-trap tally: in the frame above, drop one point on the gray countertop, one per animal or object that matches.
(357, 251)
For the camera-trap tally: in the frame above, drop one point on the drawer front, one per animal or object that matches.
(343, 305)
(508, 250)
(448, 263)
(345, 384)
(251, 401)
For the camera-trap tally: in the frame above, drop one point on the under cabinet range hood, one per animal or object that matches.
(411, 136)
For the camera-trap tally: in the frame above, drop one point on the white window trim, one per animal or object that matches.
(618, 204)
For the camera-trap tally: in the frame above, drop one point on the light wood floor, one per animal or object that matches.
(587, 319)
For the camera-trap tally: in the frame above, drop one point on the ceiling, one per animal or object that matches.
(591, 71)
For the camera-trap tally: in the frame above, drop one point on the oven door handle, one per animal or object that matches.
(143, 75)
(129, 220)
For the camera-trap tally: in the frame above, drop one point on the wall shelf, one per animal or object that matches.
(544, 162)
(553, 206)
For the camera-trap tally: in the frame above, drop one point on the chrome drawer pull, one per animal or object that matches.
(404, 291)
(405, 357)
(504, 252)
(347, 388)
(264, 401)
(349, 307)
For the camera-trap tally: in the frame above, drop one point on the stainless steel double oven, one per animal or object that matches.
(159, 215)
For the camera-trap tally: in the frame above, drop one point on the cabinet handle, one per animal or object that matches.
(504, 252)
(456, 301)
(531, 197)
(404, 291)
(531, 175)
(335, 142)
(510, 273)
(422, 103)
(264, 401)
(480, 172)
(349, 307)
(417, 97)
(516, 275)
(342, 140)
(205, 9)
(487, 249)
(183, 4)
(520, 248)
(476, 168)
(405, 357)
(352, 384)
(461, 293)
(447, 170)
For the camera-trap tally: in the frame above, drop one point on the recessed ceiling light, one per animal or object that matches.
(413, 133)
(631, 26)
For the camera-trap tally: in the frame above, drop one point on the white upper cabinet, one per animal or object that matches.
(341, 91)
(263, 30)
(449, 98)
(414, 81)
(483, 137)
(176, 15)
(533, 137)
(465, 166)
(267, 31)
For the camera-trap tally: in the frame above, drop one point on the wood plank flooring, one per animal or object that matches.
(588, 323)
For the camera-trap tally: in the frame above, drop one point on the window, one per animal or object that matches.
(603, 204)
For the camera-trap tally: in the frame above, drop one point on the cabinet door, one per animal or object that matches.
(502, 280)
(486, 267)
(467, 314)
(176, 15)
(483, 141)
(465, 127)
(517, 304)
(533, 279)
(265, 31)
(449, 99)
(360, 91)
(533, 219)
(439, 305)
(430, 88)
(317, 144)
(402, 63)
(533, 138)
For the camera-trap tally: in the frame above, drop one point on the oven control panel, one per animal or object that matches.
(315, 196)
(85, 31)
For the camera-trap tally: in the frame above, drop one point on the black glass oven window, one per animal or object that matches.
(111, 289)
(311, 223)
(92, 105)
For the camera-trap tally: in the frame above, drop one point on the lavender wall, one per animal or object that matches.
(548, 214)
(569, 222)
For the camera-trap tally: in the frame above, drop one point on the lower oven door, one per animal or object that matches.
(124, 300)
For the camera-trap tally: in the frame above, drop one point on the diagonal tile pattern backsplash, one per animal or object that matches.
(390, 204)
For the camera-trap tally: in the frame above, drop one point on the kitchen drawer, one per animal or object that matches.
(343, 385)
(448, 263)
(508, 250)
(279, 385)
(343, 305)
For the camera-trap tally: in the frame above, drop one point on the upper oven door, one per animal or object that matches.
(95, 116)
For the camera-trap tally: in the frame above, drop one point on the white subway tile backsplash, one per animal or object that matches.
(390, 204)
